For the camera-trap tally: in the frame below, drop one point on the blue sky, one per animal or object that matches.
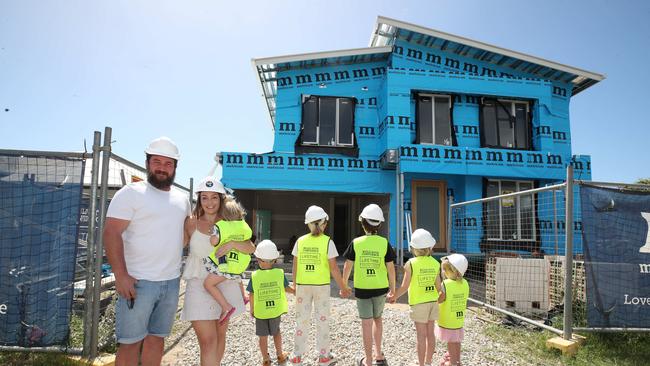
(182, 68)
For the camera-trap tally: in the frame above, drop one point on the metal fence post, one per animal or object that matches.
(568, 255)
(398, 212)
(90, 248)
(99, 257)
(449, 226)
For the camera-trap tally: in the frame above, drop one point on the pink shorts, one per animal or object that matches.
(449, 335)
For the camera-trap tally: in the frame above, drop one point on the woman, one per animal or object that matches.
(200, 307)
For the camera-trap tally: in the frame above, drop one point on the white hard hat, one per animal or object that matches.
(373, 214)
(459, 262)
(315, 213)
(422, 239)
(266, 250)
(163, 146)
(210, 184)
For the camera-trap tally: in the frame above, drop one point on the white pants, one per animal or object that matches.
(320, 296)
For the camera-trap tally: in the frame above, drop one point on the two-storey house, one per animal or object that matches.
(418, 118)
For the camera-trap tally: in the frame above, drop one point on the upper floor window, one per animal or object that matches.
(434, 119)
(327, 121)
(505, 124)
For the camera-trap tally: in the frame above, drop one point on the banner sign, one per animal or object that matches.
(40, 199)
(616, 241)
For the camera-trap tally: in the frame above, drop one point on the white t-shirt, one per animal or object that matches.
(153, 241)
(331, 250)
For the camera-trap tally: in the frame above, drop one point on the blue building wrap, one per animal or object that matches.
(384, 84)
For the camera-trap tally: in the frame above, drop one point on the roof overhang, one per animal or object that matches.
(266, 68)
(387, 30)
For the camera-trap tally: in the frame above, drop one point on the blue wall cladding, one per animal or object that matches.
(434, 70)
(361, 81)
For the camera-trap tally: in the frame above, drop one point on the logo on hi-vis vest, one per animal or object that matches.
(270, 303)
(233, 255)
(370, 272)
(310, 267)
(459, 314)
(429, 288)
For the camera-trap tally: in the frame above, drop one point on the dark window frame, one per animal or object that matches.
(419, 122)
(517, 203)
(502, 104)
(337, 123)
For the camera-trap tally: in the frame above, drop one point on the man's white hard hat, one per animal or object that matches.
(373, 214)
(459, 262)
(266, 250)
(210, 184)
(163, 146)
(315, 213)
(422, 239)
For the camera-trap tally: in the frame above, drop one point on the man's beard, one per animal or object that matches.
(162, 184)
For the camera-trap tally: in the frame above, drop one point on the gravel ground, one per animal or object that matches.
(345, 333)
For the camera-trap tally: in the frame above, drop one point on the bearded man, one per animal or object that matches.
(143, 237)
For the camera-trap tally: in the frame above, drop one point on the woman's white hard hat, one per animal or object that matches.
(373, 214)
(266, 250)
(422, 239)
(210, 184)
(459, 262)
(315, 213)
(163, 146)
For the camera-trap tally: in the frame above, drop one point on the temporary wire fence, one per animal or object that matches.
(523, 244)
(56, 288)
(40, 201)
(519, 233)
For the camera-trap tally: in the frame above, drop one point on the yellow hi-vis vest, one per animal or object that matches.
(269, 298)
(452, 310)
(424, 271)
(236, 261)
(313, 265)
(369, 262)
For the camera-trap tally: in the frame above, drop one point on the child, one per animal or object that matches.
(314, 260)
(452, 310)
(268, 300)
(422, 280)
(374, 275)
(233, 263)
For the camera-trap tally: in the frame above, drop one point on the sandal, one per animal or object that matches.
(282, 359)
(361, 361)
(381, 362)
(227, 316)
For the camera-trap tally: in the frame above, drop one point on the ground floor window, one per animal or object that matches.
(510, 218)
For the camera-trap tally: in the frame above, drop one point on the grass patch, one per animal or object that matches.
(35, 359)
(621, 349)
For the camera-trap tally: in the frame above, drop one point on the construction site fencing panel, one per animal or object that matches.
(519, 267)
(40, 204)
(616, 223)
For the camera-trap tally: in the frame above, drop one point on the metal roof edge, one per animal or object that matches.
(318, 55)
(484, 46)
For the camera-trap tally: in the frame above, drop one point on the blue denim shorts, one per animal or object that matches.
(153, 312)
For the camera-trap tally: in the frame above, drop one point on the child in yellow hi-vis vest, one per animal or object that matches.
(373, 260)
(267, 289)
(422, 281)
(314, 261)
(232, 228)
(452, 310)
